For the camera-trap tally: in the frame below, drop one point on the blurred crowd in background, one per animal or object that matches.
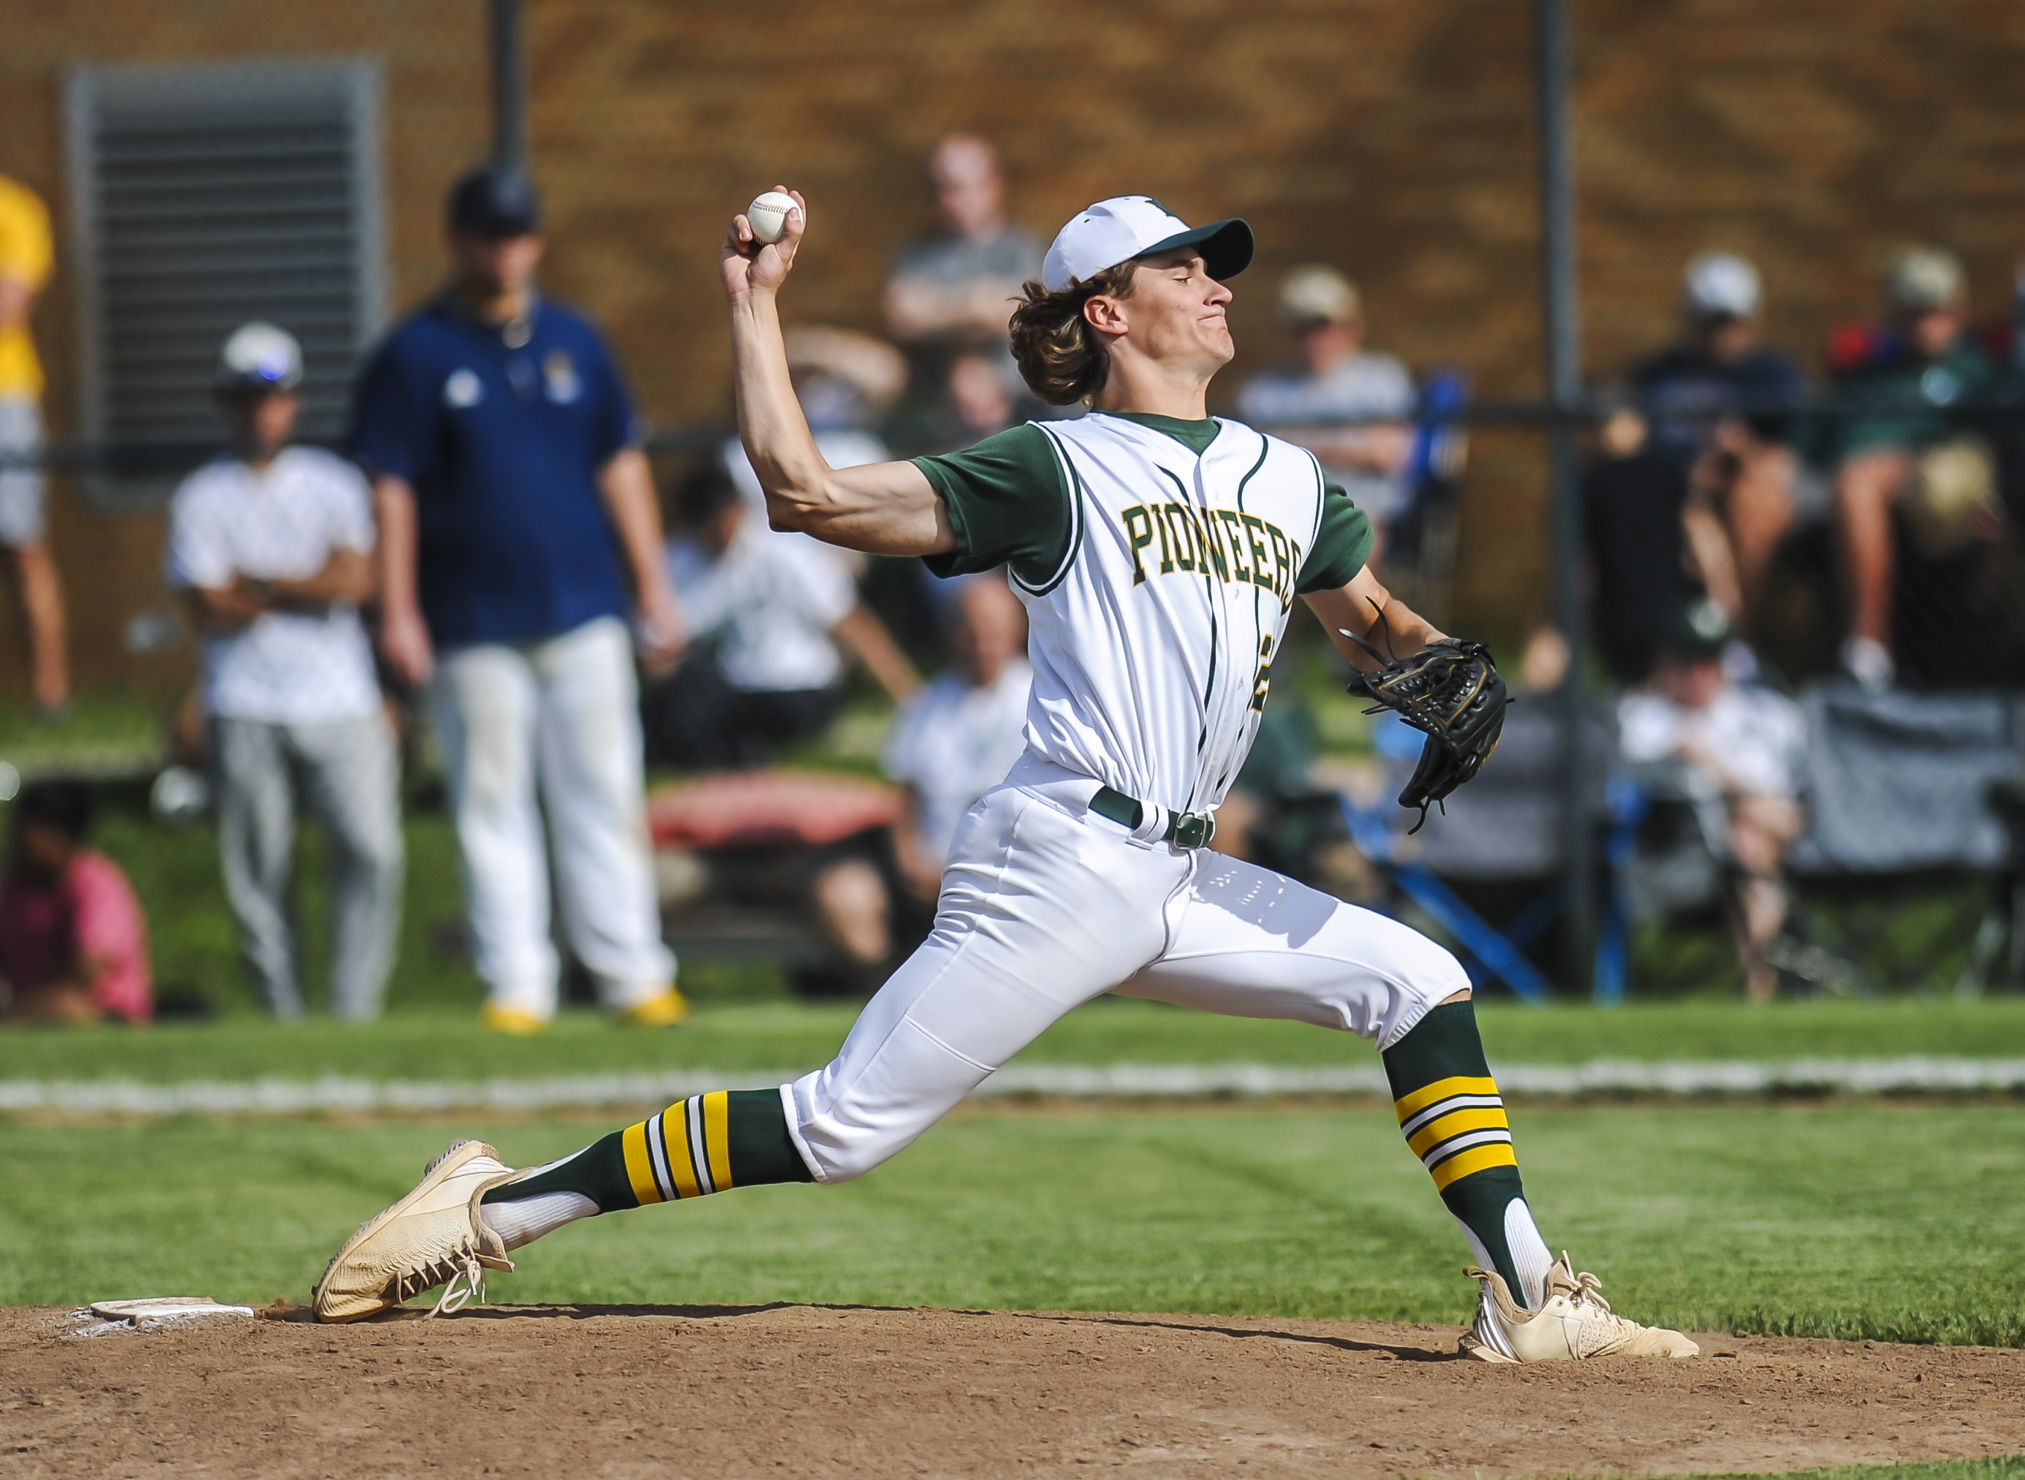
(491, 555)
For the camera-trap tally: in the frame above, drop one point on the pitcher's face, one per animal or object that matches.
(1176, 312)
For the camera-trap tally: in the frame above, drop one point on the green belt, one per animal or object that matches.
(1184, 829)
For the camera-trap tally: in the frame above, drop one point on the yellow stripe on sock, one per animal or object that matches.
(681, 1166)
(717, 1137)
(1454, 1123)
(1476, 1159)
(640, 1164)
(1441, 1089)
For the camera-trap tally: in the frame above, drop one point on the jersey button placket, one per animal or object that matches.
(1228, 649)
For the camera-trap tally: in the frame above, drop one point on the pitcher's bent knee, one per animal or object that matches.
(1430, 977)
(843, 1131)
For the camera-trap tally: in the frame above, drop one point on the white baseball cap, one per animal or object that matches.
(1318, 294)
(1923, 279)
(1721, 284)
(1127, 226)
(260, 356)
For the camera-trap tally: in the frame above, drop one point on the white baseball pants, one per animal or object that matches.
(1046, 905)
(564, 712)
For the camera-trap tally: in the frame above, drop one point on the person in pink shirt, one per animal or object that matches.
(73, 942)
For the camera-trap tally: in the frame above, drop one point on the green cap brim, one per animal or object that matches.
(1226, 246)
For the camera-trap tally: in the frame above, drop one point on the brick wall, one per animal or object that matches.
(435, 118)
(1391, 137)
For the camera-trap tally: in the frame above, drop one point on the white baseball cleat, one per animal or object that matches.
(431, 1236)
(1573, 1322)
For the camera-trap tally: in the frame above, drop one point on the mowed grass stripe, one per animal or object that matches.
(1852, 1221)
(436, 1046)
(2005, 1467)
(1678, 1079)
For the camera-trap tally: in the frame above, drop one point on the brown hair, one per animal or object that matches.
(1061, 358)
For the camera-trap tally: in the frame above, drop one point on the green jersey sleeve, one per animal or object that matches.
(1342, 544)
(1008, 503)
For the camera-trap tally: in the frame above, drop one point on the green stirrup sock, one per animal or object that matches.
(1453, 1119)
(706, 1143)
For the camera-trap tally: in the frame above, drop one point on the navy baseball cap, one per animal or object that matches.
(493, 201)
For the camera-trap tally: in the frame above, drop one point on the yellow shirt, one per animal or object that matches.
(25, 254)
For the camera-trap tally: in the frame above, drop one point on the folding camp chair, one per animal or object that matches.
(1505, 827)
(1906, 788)
(1420, 542)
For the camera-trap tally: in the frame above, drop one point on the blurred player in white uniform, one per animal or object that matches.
(957, 738)
(1158, 552)
(772, 618)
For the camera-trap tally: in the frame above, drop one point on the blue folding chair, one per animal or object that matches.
(1503, 826)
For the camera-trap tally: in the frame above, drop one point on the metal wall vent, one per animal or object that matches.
(205, 196)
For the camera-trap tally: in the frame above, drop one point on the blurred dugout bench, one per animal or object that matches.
(734, 853)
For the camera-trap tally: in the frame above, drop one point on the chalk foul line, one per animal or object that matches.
(1669, 1079)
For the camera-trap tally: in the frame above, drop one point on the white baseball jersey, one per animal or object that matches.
(1158, 560)
(281, 522)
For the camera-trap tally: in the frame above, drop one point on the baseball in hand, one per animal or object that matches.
(769, 214)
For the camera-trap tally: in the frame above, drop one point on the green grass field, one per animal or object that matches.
(1895, 1223)
(2008, 1468)
(1886, 1220)
(446, 1043)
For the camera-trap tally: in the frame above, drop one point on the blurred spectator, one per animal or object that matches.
(1338, 378)
(1740, 463)
(767, 613)
(955, 289)
(1736, 753)
(272, 546)
(1635, 508)
(73, 943)
(961, 282)
(1911, 454)
(509, 486)
(957, 738)
(1543, 661)
(979, 403)
(26, 257)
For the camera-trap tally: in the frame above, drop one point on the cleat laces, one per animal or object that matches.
(466, 1284)
(1587, 1292)
(464, 1274)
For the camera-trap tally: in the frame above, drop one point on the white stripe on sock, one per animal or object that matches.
(657, 1148)
(1529, 1252)
(1436, 1155)
(1453, 1102)
(549, 1166)
(699, 1152)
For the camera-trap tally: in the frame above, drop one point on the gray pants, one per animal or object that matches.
(346, 772)
(22, 490)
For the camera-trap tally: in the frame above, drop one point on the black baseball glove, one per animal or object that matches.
(1449, 691)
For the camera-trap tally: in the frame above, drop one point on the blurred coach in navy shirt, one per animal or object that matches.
(509, 489)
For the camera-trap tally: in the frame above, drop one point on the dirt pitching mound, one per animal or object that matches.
(736, 1391)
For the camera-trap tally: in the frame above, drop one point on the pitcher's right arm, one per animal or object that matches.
(882, 508)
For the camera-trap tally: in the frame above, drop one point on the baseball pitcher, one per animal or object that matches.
(1160, 553)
